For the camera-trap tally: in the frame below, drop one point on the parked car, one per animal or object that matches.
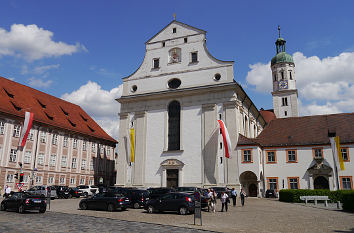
(183, 203)
(219, 190)
(88, 190)
(42, 190)
(270, 193)
(22, 201)
(137, 197)
(157, 192)
(105, 201)
(187, 189)
(62, 191)
(74, 192)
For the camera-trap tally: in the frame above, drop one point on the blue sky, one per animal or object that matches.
(79, 50)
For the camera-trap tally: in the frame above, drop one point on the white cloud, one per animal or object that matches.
(100, 104)
(38, 83)
(325, 85)
(32, 43)
(39, 69)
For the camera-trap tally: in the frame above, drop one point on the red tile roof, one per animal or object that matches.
(16, 99)
(268, 115)
(308, 130)
(244, 141)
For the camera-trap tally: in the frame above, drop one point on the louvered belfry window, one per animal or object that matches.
(174, 118)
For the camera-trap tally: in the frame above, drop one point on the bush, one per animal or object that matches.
(348, 201)
(293, 195)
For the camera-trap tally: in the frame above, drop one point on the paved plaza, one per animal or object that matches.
(258, 215)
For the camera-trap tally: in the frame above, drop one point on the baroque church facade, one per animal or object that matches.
(173, 101)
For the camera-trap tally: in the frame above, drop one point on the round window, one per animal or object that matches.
(174, 83)
(217, 77)
(134, 88)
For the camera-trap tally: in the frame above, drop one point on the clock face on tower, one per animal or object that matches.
(283, 84)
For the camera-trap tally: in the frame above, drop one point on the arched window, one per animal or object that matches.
(174, 119)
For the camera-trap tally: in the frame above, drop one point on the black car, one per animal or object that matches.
(219, 190)
(75, 192)
(21, 201)
(157, 192)
(62, 191)
(270, 193)
(105, 201)
(183, 203)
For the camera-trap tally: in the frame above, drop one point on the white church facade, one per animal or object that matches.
(173, 101)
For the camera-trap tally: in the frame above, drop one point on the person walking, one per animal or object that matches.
(224, 201)
(7, 191)
(211, 204)
(242, 195)
(233, 195)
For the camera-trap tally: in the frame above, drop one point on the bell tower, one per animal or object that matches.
(284, 83)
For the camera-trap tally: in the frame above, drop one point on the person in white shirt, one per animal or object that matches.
(7, 191)
(211, 206)
(224, 201)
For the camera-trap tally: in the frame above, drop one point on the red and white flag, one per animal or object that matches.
(25, 129)
(226, 138)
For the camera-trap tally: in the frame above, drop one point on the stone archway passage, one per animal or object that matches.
(249, 182)
(320, 182)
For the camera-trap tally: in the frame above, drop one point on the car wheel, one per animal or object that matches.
(86, 195)
(136, 205)
(150, 209)
(83, 206)
(110, 207)
(182, 210)
(42, 210)
(3, 207)
(21, 209)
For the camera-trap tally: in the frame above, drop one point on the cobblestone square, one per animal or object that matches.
(258, 215)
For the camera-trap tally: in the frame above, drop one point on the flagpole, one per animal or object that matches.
(35, 159)
(331, 139)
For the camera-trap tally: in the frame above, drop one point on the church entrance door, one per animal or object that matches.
(172, 178)
(321, 182)
(252, 189)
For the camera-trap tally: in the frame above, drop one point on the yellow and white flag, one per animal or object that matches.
(339, 152)
(132, 145)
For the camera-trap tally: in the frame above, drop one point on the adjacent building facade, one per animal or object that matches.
(64, 147)
(295, 152)
(173, 101)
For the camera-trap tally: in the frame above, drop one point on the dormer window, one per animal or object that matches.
(194, 56)
(41, 104)
(156, 63)
(174, 55)
(174, 30)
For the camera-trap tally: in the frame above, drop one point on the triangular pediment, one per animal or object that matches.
(181, 30)
(172, 162)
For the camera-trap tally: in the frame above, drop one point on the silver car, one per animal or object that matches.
(42, 190)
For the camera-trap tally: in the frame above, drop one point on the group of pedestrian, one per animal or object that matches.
(224, 198)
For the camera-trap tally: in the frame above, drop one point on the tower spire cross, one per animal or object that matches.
(279, 30)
